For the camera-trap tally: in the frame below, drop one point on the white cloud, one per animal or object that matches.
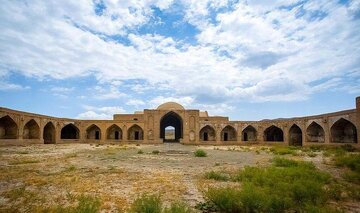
(62, 89)
(184, 101)
(4, 86)
(98, 113)
(254, 52)
(135, 102)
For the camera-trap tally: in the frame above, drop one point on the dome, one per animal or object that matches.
(170, 106)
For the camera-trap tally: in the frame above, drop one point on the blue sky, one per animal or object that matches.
(248, 60)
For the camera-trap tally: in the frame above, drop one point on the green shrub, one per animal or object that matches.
(87, 204)
(334, 191)
(215, 175)
(283, 162)
(280, 150)
(155, 152)
(352, 161)
(147, 204)
(200, 153)
(140, 151)
(178, 207)
(312, 154)
(226, 199)
(348, 148)
(316, 148)
(352, 177)
(287, 186)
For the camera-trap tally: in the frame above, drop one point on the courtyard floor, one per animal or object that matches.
(36, 177)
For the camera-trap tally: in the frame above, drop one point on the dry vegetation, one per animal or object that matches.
(170, 178)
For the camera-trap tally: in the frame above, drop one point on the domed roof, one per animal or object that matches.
(170, 106)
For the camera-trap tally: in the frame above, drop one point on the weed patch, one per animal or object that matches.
(200, 153)
(285, 186)
(215, 175)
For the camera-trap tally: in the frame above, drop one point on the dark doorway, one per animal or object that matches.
(343, 131)
(70, 131)
(136, 135)
(97, 135)
(295, 136)
(249, 134)
(315, 133)
(206, 137)
(174, 120)
(245, 136)
(114, 132)
(225, 136)
(8, 128)
(49, 133)
(207, 133)
(273, 133)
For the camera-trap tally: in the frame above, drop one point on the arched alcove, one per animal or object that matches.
(295, 136)
(31, 130)
(343, 131)
(93, 132)
(315, 133)
(49, 134)
(228, 133)
(114, 132)
(249, 134)
(207, 133)
(70, 131)
(135, 132)
(8, 128)
(273, 133)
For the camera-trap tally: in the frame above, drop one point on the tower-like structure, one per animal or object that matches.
(358, 117)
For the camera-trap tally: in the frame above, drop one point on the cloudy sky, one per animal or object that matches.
(248, 60)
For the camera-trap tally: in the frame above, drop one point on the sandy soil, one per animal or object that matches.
(40, 176)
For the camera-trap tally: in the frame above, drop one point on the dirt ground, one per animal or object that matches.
(41, 176)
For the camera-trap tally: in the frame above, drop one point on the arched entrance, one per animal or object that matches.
(135, 133)
(228, 134)
(31, 130)
(249, 134)
(114, 132)
(273, 133)
(207, 133)
(295, 136)
(70, 131)
(93, 132)
(315, 133)
(49, 133)
(343, 131)
(171, 119)
(8, 128)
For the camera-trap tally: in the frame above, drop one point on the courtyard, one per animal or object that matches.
(44, 178)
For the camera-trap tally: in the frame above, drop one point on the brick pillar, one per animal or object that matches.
(358, 119)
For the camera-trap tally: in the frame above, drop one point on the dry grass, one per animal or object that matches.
(42, 178)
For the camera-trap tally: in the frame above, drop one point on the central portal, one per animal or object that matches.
(171, 121)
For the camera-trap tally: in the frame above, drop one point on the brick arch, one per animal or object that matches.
(295, 135)
(31, 130)
(49, 133)
(70, 131)
(114, 132)
(135, 132)
(315, 133)
(249, 133)
(343, 131)
(93, 132)
(207, 133)
(8, 128)
(273, 133)
(228, 133)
